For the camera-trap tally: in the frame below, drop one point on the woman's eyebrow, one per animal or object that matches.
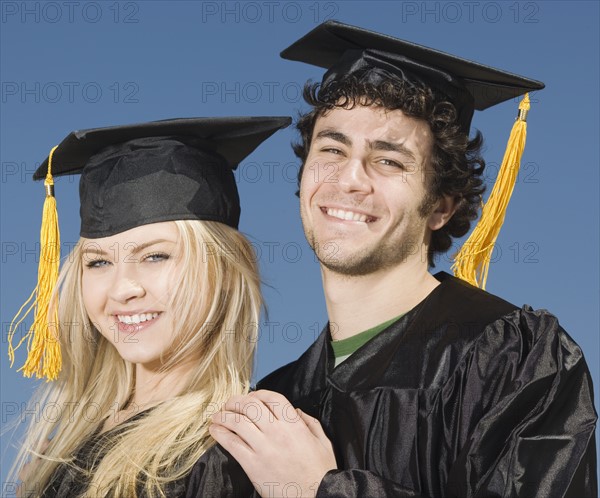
(91, 247)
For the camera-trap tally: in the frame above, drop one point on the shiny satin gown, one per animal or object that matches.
(466, 395)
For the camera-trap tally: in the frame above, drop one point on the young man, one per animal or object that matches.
(424, 385)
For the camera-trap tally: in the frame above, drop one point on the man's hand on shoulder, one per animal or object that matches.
(283, 450)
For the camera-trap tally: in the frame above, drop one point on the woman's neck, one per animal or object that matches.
(153, 386)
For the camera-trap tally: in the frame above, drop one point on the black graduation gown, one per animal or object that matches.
(216, 474)
(464, 396)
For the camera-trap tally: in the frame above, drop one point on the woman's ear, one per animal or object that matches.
(445, 208)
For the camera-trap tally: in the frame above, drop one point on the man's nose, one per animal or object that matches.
(352, 176)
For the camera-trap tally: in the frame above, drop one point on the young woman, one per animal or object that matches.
(158, 309)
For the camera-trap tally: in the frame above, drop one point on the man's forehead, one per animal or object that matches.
(369, 124)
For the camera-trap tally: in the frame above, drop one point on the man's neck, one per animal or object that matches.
(356, 304)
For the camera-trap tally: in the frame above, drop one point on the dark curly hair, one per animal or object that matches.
(456, 160)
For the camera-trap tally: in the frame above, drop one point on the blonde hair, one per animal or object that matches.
(217, 302)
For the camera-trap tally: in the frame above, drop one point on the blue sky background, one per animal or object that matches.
(75, 65)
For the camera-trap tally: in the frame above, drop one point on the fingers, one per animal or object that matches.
(262, 408)
(262, 415)
(316, 429)
(278, 405)
(313, 424)
(234, 421)
(234, 444)
(244, 406)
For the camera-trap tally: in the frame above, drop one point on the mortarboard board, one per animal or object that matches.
(371, 57)
(134, 175)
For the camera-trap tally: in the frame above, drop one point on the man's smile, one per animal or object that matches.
(348, 214)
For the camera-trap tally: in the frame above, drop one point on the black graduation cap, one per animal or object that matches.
(347, 50)
(159, 171)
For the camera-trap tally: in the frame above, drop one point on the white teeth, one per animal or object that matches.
(347, 215)
(143, 317)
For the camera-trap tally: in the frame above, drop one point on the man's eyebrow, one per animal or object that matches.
(334, 135)
(391, 147)
(92, 247)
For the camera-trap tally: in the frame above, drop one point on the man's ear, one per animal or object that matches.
(445, 208)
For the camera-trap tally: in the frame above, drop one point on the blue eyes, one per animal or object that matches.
(156, 257)
(97, 263)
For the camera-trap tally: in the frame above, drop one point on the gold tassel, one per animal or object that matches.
(473, 260)
(43, 346)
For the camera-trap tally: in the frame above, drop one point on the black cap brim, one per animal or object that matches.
(233, 138)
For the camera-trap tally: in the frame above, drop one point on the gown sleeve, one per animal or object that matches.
(520, 409)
